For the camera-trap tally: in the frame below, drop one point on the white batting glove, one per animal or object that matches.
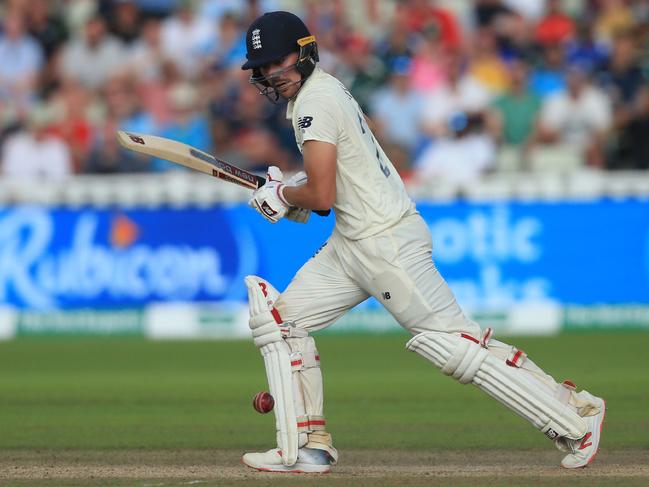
(269, 200)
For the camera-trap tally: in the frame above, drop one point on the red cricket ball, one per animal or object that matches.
(263, 402)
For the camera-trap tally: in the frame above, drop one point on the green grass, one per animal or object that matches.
(58, 394)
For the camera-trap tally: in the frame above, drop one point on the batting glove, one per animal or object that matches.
(269, 200)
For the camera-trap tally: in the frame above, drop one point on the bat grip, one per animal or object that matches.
(262, 180)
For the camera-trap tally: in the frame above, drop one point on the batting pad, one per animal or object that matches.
(267, 335)
(277, 359)
(516, 388)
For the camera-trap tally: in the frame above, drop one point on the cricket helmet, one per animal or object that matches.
(270, 38)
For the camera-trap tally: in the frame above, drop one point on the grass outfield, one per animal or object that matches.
(121, 404)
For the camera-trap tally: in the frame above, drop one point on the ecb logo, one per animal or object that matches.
(256, 39)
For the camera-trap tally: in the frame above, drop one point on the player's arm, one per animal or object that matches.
(319, 192)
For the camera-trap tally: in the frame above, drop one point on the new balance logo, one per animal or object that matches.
(256, 39)
(304, 122)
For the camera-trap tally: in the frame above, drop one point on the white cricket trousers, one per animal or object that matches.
(395, 266)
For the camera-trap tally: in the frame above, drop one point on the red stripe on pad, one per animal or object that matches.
(296, 362)
(275, 313)
(512, 362)
(315, 422)
(469, 337)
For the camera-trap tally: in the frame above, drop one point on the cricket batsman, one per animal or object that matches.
(380, 247)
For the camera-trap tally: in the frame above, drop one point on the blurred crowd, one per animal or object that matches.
(455, 89)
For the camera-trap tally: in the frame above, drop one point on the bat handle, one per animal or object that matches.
(262, 180)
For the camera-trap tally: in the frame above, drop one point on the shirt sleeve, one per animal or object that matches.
(319, 119)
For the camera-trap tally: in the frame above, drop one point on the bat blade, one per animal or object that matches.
(185, 155)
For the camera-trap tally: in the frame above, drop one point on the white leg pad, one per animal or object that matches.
(267, 336)
(293, 371)
(307, 380)
(467, 361)
(277, 359)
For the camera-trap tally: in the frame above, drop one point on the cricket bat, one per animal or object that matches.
(188, 156)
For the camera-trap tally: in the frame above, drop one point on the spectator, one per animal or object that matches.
(613, 16)
(34, 153)
(428, 72)
(511, 29)
(146, 56)
(396, 109)
(398, 42)
(153, 72)
(230, 47)
(189, 124)
(578, 117)
(461, 93)
(46, 26)
(555, 27)
(548, 77)
(74, 126)
(461, 158)
(490, 13)
(94, 57)
(156, 8)
(125, 21)
(21, 58)
(485, 64)
(364, 71)
(187, 39)
(622, 76)
(426, 16)
(123, 111)
(515, 115)
(631, 150)
(531, 10)
(518, 108)
(585, 50)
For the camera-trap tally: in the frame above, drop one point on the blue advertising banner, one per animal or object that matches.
(492, 255)
(569, 252)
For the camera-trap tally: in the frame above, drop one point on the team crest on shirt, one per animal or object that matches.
(256, 39)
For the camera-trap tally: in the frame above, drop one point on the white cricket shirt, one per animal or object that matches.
(370, 195)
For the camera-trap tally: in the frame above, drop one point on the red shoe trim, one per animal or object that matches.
(583, 443)
(601, 427)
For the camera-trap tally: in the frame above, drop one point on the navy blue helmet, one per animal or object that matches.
(272, 37)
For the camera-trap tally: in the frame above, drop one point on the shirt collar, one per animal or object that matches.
(291, 103)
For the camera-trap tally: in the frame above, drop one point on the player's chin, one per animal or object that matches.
(287, 92)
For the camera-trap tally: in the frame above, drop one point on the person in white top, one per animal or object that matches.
(34, 154)
(380, 247)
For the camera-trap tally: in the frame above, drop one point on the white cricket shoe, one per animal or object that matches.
(583, 450)
(309, 460)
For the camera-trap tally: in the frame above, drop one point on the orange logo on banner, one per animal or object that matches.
(123, 232)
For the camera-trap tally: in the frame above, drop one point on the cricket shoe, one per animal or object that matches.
(582, 451)
(309, 460)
